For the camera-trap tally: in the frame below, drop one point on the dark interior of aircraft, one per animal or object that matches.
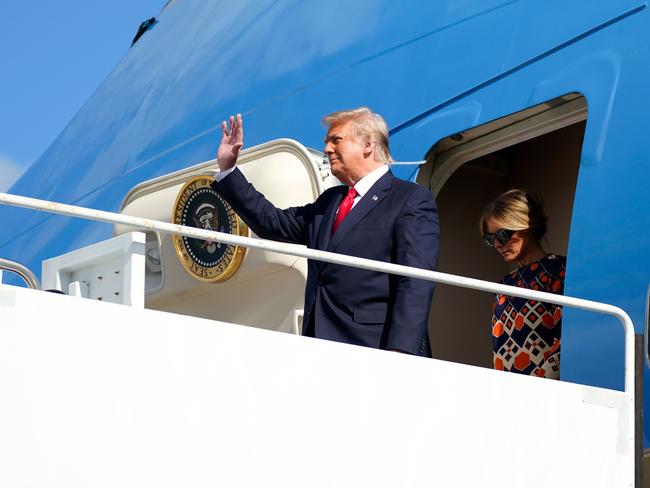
(546, 164)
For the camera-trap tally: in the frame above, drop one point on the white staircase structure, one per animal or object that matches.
(99, 394)
(102, 394)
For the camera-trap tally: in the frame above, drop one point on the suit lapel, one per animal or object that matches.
(375, 194)
(325, 230)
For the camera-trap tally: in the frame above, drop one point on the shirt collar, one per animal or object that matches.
(364, 184)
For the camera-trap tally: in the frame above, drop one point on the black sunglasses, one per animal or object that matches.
(501, 235)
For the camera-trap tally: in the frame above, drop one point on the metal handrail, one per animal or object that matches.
(23, 271)
(301, 251)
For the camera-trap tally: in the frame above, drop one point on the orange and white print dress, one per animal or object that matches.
(526, 333)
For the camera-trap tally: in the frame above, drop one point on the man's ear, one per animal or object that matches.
(368, 148)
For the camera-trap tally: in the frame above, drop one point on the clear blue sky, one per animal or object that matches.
(53, 55)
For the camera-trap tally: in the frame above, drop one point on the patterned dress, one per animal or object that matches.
(526, 333)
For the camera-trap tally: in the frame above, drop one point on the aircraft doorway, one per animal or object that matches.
(537, 149)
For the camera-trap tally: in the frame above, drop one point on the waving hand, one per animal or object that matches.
(232, 141)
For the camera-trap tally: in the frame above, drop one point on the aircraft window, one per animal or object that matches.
(537, 149)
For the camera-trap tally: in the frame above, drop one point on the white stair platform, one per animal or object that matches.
(103, 395)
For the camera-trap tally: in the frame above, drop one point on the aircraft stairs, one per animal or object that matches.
(102, 394)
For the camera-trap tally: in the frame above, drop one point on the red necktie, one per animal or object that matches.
(344, 208)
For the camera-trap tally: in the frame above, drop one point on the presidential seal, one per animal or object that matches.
(199, 205)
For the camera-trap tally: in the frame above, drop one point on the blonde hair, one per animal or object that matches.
(366, 125)
(516, 209)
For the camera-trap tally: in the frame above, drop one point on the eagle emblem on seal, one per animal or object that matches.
(199, 205)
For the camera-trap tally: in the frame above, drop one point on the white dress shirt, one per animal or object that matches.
(364, 184)
(220, 175)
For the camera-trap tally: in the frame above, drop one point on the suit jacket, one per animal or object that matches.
(396, 221)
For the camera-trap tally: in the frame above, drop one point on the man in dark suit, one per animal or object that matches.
(374, 215)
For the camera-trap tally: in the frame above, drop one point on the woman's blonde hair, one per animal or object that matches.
(516, 209)
(366, 125)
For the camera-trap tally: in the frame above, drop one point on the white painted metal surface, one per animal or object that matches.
(586, 426)
(102, 395)
(262, 273)
(301, 251)
(111, 271)
(22, 271)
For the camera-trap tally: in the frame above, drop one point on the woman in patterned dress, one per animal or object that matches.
(525, 333)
